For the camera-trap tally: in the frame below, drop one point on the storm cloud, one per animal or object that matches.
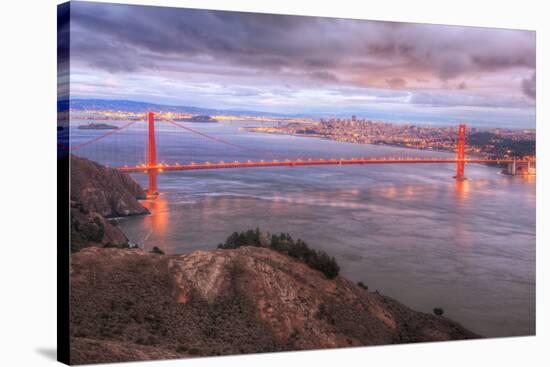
(529, 86)
(258, 52)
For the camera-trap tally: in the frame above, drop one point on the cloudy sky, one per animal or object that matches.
(303, 65)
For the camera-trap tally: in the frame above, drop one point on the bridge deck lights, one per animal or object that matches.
(151, 167)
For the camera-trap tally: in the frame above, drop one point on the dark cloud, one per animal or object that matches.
(196, 52)
(323, 76)
(529, 86)
(396, 82)
(504, 61)
(147, 36)
(154, 33)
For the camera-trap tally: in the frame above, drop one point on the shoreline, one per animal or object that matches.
(250, 129)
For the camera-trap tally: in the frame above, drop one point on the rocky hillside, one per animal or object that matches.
(103, 190)
(128, 304)
(98, 193)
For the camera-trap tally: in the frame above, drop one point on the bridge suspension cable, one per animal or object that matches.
(152, 167)
(216, 139)
(97, 138)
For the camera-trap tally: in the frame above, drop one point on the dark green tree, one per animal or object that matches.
(284, 243)
(157, 250)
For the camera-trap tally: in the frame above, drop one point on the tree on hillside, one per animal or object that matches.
(285, 244)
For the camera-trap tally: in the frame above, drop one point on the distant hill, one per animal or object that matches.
(197, 118)
(136, 106)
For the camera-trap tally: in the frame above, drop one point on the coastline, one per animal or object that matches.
(252, 130)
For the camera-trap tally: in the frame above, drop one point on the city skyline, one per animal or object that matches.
(303, 65)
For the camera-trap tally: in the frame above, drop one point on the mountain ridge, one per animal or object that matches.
(140, 106)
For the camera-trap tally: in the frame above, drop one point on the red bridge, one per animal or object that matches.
(152, 167)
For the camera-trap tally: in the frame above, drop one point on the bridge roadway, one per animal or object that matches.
(308, 162)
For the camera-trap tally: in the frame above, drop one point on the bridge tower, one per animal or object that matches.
(460, 153)
(152, 157)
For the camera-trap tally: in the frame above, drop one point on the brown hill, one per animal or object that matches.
(128, 304)
(103, 190)
(97, 193)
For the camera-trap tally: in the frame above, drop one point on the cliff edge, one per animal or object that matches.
(99, 193)
(104, 190)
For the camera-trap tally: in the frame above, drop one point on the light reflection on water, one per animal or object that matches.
(412, 232)
(160, 220)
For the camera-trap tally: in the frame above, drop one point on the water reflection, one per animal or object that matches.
(529, 178)
(462, 188)
(158, 221)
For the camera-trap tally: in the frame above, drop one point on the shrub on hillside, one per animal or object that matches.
(285, 244)
(157, 250)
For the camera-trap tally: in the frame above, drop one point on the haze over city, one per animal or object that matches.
(304, 65)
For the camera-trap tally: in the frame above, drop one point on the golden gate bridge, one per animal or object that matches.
(152, 167)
